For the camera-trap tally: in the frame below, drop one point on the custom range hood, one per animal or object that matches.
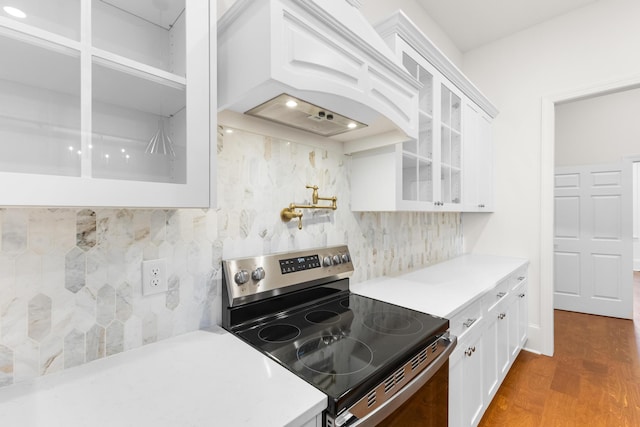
(318, 66)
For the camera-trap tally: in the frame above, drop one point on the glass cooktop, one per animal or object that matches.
(348, 342)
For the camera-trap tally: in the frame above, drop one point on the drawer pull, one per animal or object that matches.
(469, 351)
(522, 295)
(501, 294)
(469, 322)
(502, 316)
(521, 278)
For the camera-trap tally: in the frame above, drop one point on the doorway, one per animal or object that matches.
(547, 166)
(588, 130)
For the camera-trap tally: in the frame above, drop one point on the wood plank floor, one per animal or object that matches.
(592, 380)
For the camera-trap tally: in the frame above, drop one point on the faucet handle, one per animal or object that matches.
(287, 214)
(314, 195)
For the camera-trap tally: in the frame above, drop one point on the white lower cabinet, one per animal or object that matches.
(465, 383)
(491, 378)
(485, 354)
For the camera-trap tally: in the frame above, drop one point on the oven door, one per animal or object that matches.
(422, 402)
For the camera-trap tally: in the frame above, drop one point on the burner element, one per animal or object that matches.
(335, 355)
(325, 317)
(279, 333)
(392, 323)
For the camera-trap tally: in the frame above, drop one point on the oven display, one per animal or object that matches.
(292, 265)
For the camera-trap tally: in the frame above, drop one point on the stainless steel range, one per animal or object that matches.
(378, 363)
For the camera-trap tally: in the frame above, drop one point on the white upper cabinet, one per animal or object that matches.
(107, 103)
(432, 172)
(478, 160)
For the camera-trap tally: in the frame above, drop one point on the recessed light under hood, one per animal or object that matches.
(291, 111)
(325, 54)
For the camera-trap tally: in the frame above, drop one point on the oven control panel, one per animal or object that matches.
(293, 265)
(254, 278)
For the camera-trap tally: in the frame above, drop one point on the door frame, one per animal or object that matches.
(547, 167)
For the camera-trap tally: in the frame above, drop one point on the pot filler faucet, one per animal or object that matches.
(289, 213)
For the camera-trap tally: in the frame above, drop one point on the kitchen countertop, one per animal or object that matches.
(202, 378)
(442, 289)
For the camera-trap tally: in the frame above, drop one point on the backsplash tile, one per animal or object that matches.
(70, 279)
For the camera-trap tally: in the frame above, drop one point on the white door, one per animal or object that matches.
(593, 240)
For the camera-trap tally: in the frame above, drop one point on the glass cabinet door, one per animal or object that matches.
(450, 146)
(40, 88)
(138, 90)
(107, 90)
(418, 156)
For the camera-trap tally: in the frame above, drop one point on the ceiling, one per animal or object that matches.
(472, 23)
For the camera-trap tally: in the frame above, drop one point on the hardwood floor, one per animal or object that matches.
(592, 380)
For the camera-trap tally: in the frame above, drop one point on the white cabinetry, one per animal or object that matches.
(107, 103)
(466, 366)
(430, 172)
(465, 382)
(478, 160)
(487, 350)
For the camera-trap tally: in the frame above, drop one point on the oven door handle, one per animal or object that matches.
(388, 407)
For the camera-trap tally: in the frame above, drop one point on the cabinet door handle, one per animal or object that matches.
(470, 350)
(522, 295)
(501, 294)
(521, 278)
(469, 322)
(502, 316)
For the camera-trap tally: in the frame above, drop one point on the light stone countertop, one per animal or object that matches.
(442, 289)
(202, 378)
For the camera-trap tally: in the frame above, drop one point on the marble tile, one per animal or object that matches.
(157, 227)
(115, 338)
(124, 299)
(106, 305)
(75, 270)
(86, 229)
(14, 231)
(74, 349)
(39, 317)
(173, 294)
(6, 366)
(150, 328)
(84, 309)
(26, 361)
(95, 343)
(51, 354)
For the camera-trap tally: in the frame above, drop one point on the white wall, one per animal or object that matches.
(598, 130)
(377, 10)
(590, 46)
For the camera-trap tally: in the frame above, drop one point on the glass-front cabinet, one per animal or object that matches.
(449, 166)
(432, 165)
(106, 103)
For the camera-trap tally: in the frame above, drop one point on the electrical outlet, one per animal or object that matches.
(154, 276)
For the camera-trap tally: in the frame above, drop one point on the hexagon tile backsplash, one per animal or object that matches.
(70, 279)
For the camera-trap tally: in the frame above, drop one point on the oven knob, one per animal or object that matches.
(345, 258)
(336, 259)
(241, 277)
(326, 261)
(257, 274)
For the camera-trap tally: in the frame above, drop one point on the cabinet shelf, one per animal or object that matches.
(136, 89)
(89, 84)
